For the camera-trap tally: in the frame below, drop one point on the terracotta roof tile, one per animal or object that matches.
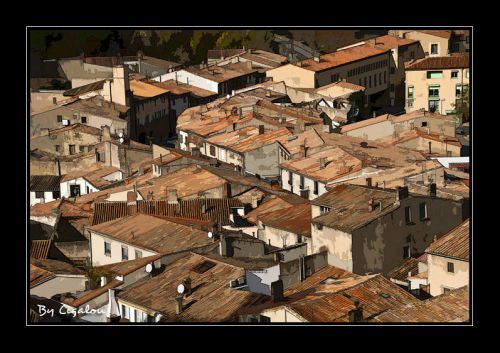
(454, 244)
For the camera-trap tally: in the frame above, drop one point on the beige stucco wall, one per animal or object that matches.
(427, 39)
(447, 90)
(59, 284)
(338, 244)
(282, 314)
(374, 131)
(77, 138)
(439, 277)
(280, 238)
(308, 184)
(292, 75)
(43, 100)
(439, 147)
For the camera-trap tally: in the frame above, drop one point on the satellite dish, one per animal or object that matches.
(121, 140)
(149, 268)
(210, 235)
(120, 134)
(181, 288)
(228, 96)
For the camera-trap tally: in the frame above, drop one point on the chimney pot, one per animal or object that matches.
(322, 163)
(172, 196)
(178, 304)
(369, 182)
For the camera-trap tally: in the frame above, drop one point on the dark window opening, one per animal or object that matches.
(107, 248)
(316, 188)
(203, 267)
(451, 267)
(408, 215)
(56, 194)
(39, 194)
(59, 118)
(84, 120)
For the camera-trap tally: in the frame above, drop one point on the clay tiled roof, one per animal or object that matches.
(124, 268)
(153, 233)
(217, 210)
(349, 206)
(39, 275)
(39, 249)
(183, 88)
(223, 53)
(145, 89)
(449, 307)
(92, 294)
(440, 62)
(274, 203)
(438, 33)
(94, 174)
(401, 271)
(389, 42)
(248, 138)
(44, 182)
(341, 57)
(454, 244)
(296, 219)
(212, 300)
(94, 86)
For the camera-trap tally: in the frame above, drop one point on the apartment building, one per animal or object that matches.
(437, 84)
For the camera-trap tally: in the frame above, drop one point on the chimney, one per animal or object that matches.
(277, 290)
(195, 151)
(222, 245)
(255, 201)
(322, 163)
(268, 93)
(430, 149)
(187, 285)
(402, 193)
(58, 167)
(369, 182)
(106, 133)
(131, 197)
(303, 152)
(316, 58)
(178, 304)
(433, 190)
(374, 113)
(240, 112)
(371, 204)
(261, 129)
(172, 198)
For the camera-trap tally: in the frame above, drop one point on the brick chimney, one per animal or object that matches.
(369, 182)
(322, 163)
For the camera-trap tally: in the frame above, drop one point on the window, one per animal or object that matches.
(84, 120)
(59, 118)
(290, 178)
(380, 78)
(335, 78)
(408, 214)
(72, 149)
(39, 194)
(365, 82)
(124, 253)
(454, 74)
(434, 92)
(375, 80)
(173, 102)
(410, 104)
(54, 100)
(423, 124)
(324, 209)
(319, 226)
(393, 70)
(316, 188)
(458, 90)
(406, 252)
(446, 290)
(138, 254)
(385, 76)
(370, 82)
(58, 148)
(412, 55)
(392, 87)
(81, 148)
(433, 106)
(410, 92)
(65, 122)
(434, 48)
(423, 211)
(212, 150)
(451, 267)
(302, 182)
(434, 74)
(56, 194)
(107, 248)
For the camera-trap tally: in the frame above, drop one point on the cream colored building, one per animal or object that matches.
(437, 84)
(448, 261)
(434, 42)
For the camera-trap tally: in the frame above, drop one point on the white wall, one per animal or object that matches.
(47, 197)
(84, 184)
(190, 78)
(183, 145)
(338, 243)
(308, 183)
(259, 281)
(439, 277)
(99, 258)
(282, 314)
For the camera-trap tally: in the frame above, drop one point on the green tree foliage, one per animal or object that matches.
(463, 108)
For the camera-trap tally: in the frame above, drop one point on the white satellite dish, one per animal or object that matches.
(120, 134)
(121, 140)
(149, 268)
(228, 96)
(181, 289)
(210, 235)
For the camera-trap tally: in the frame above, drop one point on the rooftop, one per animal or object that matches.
(349, 206)
(389, 42)
(248, 138)
(97, 106)
(145, 89)
(338, 163)
(341, 57)
(91, 87)
(187, 181)
(401, 271)
(223, 73)
(455, 244)
(449, 307)
(439, 62)
(182, 88)
(42, 270)
(438, 33)
(295, 219)
(211, 300)
(124, 268)
(44, 182)
(309, 139)
(153, 233)
(417, 133)
(94, 174)
(274, 203)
